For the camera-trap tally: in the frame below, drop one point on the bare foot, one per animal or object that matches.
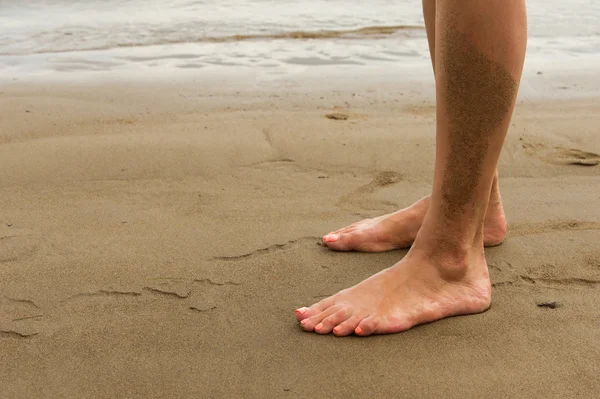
(399, 229)
(419, 289)
(384, 233)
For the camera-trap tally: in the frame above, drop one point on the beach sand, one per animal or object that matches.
(155, 240)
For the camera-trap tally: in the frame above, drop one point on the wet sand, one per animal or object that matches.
(155, 240)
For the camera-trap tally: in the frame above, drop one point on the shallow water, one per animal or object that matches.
(277, 35)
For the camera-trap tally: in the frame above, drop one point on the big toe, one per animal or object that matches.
(302, 313)
(305, 313)
(340, 242)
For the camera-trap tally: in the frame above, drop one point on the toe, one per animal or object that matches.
(330, 238)
(347, 327)
(305, 313)
(343, 242)
(366, 327)
(310, 323)
(300, 312)
(326, 326)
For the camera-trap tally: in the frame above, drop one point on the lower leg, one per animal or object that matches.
(479, 61)
(399, 229)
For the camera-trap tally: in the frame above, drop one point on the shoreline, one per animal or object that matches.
(542, 80)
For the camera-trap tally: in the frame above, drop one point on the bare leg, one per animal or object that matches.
(399, 229)
(479, 60)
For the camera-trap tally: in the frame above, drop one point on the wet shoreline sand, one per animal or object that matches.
(156, 238)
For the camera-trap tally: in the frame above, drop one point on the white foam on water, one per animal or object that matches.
(41, 37)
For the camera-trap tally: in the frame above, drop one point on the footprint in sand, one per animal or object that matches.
(561, 156)
(361, 198)
(575, 157)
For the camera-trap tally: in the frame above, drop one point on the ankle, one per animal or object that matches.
(494, 226)
(495, 200)
(461, 232)
(453, 255)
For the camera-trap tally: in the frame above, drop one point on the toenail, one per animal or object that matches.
(303, 322)
(337, 329)
(358, 330)
(301, 310)
(331, 237)
(319, 326)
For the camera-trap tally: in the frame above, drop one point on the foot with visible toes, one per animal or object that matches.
(384, 233)
(421, 288)
(399, 229)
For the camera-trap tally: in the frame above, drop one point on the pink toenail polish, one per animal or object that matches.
(301, 310)
(331, 238)
(303, 322)
(358, 330)
(319, 326)
(337, 329)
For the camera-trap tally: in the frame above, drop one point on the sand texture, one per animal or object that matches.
(155, 240)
